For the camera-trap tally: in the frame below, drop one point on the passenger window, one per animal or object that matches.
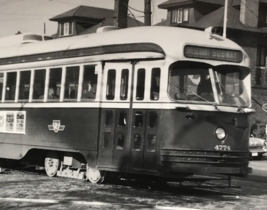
(11, 81)
(111, 84)
(120, 141)
(155, 82)
(1, 85)
(137, 142)
(24, 85)
(39, 84)
(89, 86)
(71, 83)
(153, 120)
(151, 143)
(109, 118)
(122, 119)
(107, 140)
(138, 121)
(124, 84)
(54, 85)
(140, 88)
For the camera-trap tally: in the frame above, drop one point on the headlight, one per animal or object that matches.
(220, 133)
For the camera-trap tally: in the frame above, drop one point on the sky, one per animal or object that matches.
(32, 15)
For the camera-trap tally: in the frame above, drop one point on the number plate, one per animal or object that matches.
(222, 147)
(254, 154)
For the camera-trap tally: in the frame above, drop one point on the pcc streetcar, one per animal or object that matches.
(152, 101)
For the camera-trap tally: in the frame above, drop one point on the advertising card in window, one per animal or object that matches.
(10, 122)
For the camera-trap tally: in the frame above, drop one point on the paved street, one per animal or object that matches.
(33, 190)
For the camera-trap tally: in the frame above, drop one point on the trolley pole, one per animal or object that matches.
(225, 18)
(227, 5)
(148, 12)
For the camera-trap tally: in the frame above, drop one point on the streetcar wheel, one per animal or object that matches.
(52, 164)
(95, 176)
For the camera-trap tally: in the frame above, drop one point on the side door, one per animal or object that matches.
(145, 114)
(114, 120)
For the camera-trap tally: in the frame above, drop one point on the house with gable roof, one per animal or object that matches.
(85, 20)
(246, 25)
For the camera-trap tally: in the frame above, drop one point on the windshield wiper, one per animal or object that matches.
(181, 88)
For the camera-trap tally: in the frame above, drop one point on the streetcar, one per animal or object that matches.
(157, 102)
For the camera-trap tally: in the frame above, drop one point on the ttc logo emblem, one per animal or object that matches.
(56, 126)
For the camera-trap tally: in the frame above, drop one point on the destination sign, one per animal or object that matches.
(213, 54)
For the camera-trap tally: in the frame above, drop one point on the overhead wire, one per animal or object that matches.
(17, 14)
(131, 13)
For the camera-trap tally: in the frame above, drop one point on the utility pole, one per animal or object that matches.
(121, 13)
(148, 12)
(44, 29)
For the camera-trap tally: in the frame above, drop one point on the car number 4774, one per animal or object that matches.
(222, 147)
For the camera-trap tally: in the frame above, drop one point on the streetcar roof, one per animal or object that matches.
(159, 40)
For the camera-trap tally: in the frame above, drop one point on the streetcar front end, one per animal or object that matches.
(207, 130)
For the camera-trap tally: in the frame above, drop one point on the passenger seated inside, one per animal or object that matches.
(51, 94)
(89, 90)
(204, 88)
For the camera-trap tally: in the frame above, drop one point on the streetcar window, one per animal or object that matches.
(24, 84)
(230, 85)
(124, 84)
(155, 82)
(137, 142)
(138, 121)
(122, 119)
(11, 81)
(153, 120)
(71, 83)
(39, 84)
(151, 143)
(1, 84)
(54, 86)
(107, 140)
(89, 86)
(120, 141)
(191, 81)
(109, 118)
(140, 88)
(111, 84)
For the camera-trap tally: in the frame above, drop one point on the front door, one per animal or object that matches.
(145, 115)
(114, 122)
(129, 117)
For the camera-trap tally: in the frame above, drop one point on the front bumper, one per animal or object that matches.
(177, 161)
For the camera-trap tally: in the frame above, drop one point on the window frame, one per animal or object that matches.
(5, 87)
(66, 28)
(180, 15)
(261, 55)
(64, 82)
(19, 85)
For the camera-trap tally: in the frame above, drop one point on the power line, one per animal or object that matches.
(64, 2)
(134, 9)
(133, 16)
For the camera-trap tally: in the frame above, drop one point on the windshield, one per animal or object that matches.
(197, 82)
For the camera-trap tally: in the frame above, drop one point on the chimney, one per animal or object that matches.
(249, 12)
(121, 13)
